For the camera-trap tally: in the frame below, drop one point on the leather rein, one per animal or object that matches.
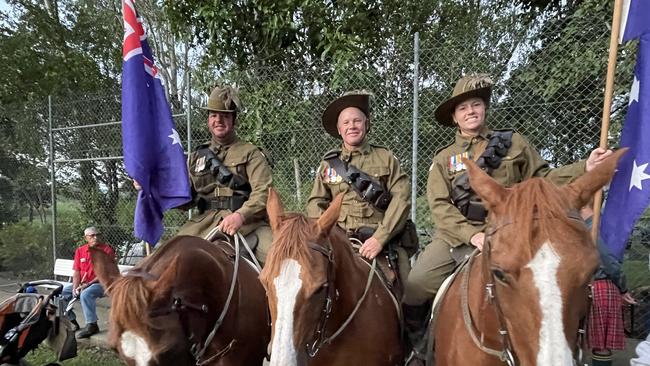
(506, 353)
(182, 307)
(320, 339)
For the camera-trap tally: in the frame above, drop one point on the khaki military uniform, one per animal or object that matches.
(381, 164)
(247, 161)
(453, 230)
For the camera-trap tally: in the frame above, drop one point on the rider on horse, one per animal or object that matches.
(457, 213)
(377, 191)
(230, 179)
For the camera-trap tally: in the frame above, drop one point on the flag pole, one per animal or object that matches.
(607, 106)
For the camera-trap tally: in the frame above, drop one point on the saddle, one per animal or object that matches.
(387, 265)
(245, 250)
(435, 307)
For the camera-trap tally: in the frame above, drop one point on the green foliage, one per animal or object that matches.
(22, 245)
(637, 273)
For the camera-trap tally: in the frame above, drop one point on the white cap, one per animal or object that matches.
(90, 231)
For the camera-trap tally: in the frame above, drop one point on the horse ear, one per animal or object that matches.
(331, 215)
(274, 209)
(491, 192)
(104, 266)
(584, 187)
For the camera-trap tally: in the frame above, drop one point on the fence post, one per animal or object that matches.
(188, 110)
(414, 158)
(52, 176)
(296, 173)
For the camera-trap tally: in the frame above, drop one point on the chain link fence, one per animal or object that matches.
(536, 92)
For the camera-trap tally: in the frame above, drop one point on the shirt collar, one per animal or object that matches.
(361, 150)
(484, 133)
(225, 143)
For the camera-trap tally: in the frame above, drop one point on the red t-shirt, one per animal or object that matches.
(83, 264)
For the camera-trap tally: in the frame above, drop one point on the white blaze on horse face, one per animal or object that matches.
(136, 348)
(553, 347)
(287, 286)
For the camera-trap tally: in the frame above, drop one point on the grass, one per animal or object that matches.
(95, 356)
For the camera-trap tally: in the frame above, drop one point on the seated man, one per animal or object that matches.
(84, 283)
(376, 190)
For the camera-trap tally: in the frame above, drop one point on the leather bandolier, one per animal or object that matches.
(377, 195)
(462, 195)
(368, 188)
(232, 191)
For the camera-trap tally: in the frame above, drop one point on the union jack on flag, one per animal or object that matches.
(153, 153)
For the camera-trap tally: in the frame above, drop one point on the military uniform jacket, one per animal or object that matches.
(381, 164)
(241, 158)
(521, 162)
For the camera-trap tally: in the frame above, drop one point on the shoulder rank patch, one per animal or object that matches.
(331, 176)
(455, 162)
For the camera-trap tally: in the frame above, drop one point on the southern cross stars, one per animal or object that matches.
(176, 139)
(634, 92)
(638, 175)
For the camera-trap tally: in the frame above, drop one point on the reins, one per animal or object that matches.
(320, 339)
(506, 354)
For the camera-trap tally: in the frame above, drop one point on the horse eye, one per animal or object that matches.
(500, 275)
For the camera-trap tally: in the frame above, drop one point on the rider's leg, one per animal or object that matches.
(431, 268)
(264, 241)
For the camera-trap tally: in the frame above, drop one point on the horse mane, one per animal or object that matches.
(289, 242)
(538, 204)
(129, 294)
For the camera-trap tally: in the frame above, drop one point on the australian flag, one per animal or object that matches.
(153, 153)
(629, 193)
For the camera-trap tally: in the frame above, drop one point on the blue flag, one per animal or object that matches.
(629, 193)
(634, 20)
(153, 153)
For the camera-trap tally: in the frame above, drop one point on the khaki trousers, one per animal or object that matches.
(431, 268)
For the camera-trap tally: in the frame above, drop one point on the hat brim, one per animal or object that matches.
(218, 110)
(444, 112)
(331, 114)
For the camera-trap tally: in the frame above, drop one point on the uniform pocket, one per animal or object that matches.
(377, 172)
(509, 172)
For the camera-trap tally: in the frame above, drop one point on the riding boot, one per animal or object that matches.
(416, 324)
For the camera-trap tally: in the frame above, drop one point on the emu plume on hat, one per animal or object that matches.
(355, 98)
(469, 86)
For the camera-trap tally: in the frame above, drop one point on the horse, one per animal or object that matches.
(328, 307)
(521, 300)
(189, 303)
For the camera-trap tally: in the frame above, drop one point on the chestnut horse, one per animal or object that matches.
(328, 307)
(185, 305)
(521, 300)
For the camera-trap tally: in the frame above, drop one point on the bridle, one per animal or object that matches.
(319, 339)
(506, 353)
(182, 307)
